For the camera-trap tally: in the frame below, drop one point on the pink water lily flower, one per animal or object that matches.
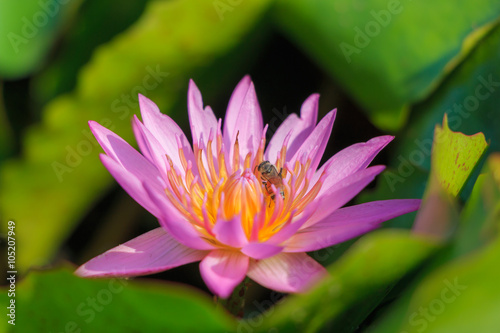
(214, 206)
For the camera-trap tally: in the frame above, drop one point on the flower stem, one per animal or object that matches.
(235, 303)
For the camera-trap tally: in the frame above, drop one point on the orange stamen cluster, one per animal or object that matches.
(216, 190)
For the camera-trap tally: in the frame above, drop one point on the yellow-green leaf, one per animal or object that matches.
(454, 156)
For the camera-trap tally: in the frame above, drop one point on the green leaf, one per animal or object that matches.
(442, 302)
(28, 30)
(454, 157)
(80, 41)
(6, 133)
(58, 301)
(155, 57)
(480, 218)
(469, 96)
(467, 274)
(371, 265)
(380, 51)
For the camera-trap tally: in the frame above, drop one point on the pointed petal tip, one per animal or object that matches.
(103, 157)
(192, 85)
(81, 271)
(385, 139)
(195, 101)
(84, 272)
(144, 102)
(147, 105)
(376, 169)
(313, 98)
(142, 99)
(414, 203)
(135, 119)
(309, 109)
(243, 86)
(247, 77)
(95, 126)
(330, 117)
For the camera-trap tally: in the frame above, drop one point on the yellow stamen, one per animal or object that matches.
(210, 160)
(236, 154)
(207, 184)
(208, 190)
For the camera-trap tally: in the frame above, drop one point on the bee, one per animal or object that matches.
(270, 176)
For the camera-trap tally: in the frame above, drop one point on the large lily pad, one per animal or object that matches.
(388, 54)
(457, 96)
(29, 30)
(58, 301)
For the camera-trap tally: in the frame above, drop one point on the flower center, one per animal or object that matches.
(222, 189)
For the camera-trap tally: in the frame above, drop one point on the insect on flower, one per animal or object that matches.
(270, 176)
(213, 205)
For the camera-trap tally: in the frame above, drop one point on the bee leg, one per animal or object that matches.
(281, 172)
(273, 196)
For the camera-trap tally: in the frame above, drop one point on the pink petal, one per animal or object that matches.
(149, 253)
(243, 116)
(223, 270)
(261, 250)
(123, 153)
(141, 141)
(230, 232)
(202, 121)
(342, 192)
(236, 101)
(347, 223)
(175, 223)
(349, 160)
(133, 183)
(166, 131)
(153, 147)
(298, 128)
(286, 272)
(368, 212)
(316, 141)
(311, 241)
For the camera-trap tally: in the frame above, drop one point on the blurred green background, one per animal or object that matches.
(389, 66)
